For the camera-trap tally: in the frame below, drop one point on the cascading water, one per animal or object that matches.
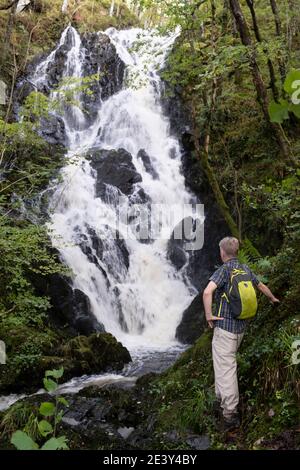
(138, 296)
(142, 303)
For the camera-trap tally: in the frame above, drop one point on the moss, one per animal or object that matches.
(32, 352)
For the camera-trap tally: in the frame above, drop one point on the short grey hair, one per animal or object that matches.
(230, 245)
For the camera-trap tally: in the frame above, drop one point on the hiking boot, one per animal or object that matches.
(232, 422)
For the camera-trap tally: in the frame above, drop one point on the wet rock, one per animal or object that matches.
(198, 442)
(100, 57)
(185, 233)
(84, 243)
(125, 432)
(100, 247)
(193, 322)
(53, 130)
(115, 168)
(96, 353)
(201, 262)
(108, 247)
(142, 154)
(71, 306)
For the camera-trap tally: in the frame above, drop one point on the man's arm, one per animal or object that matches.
(207, 302)
(267, 292)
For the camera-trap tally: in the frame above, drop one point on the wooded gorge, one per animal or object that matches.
(162, 102)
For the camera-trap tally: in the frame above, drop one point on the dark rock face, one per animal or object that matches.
(203, 262)
(100, 56)
(53, 129)
(193, 322)
(96, 248)
(115, 168)
(71, 306)
(184, 234)
(147, 163)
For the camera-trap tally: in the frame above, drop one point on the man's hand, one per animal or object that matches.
(210, 318)
(275, 301)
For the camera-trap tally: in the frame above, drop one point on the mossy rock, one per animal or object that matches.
(78, 356)
(100, 351)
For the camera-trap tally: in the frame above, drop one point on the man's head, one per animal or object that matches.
(229, 248)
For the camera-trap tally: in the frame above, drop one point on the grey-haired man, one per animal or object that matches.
(228, 331)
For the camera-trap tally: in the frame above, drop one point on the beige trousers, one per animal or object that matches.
(224, 348)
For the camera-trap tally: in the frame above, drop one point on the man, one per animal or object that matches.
(228, 331)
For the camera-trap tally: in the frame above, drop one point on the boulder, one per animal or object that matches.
(70, 307)
(142, 154)
(115, 168)
(99, 352)
(193, 322)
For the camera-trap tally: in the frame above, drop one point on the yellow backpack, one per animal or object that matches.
(241, 295)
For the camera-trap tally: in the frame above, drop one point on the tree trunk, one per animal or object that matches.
(281, 62)
(276, 17)
(258, 82)
(273, 86)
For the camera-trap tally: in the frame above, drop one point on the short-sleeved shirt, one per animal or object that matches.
(221, 277)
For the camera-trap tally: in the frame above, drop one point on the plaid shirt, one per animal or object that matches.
(222, 278)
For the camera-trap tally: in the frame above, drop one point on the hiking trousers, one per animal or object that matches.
(224, 348)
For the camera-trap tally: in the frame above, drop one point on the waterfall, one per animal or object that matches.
(134, 290)
(21, 5)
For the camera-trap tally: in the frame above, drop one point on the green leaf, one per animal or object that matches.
(50, 385)
(45, 427)
(56, 443)
(291, 78)
(63, 401)
(47, 409)
(22, 441)
(279, 111)
(56, 373)
(295, 108)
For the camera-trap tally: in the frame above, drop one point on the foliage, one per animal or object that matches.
(24, 253)
(280, 111)
(47, 426)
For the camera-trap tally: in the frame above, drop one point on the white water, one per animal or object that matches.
(152, 295)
